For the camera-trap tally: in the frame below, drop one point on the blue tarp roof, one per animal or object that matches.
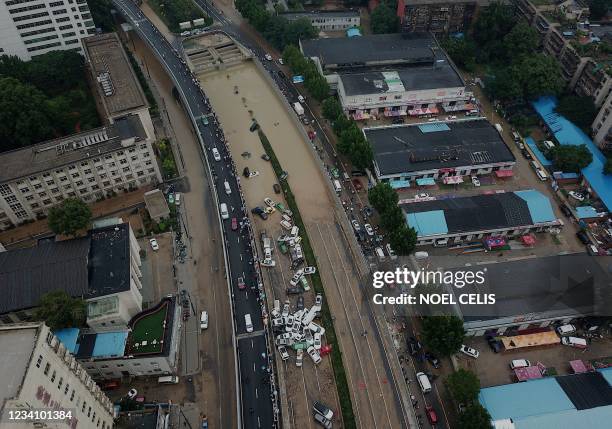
(399, 184)
(428, 223)
(110, 344)
(607, 374)
(537, 152)
(427, 181)
(584, 212)
(68, 337)
(539, 206)
(352, 32)
(567, 133)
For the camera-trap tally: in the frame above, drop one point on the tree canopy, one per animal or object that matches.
(462, 50)
(464, 385)
(331, 108)
(598, 9)
(571, 159)
(475, 416)
(492, 25)
(383, 197)
(384, 19)
(403, 239)
(69, 217)
(59, 310)
(580, 110)
(443, 334)
(521, 40)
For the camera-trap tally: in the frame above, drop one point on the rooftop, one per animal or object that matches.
(567, 133)
(109, 260)
(320, 14)
(118, 86)
(559, 284)
(27, 274)
(16, 346)
(60, 152)
(440, 74)
(479, 213)
(102, 345)
(375, 49)
(430, 146)
(149, 329)
(565, 402)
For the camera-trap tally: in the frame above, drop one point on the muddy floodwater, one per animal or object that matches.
(240, 94)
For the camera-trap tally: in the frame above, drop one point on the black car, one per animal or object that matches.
(565, 210)
(300, 303)
(526, 154)
(259, 211)
(246, 172)
(398, 121)
(583, 237)
(433, 360)
(413, 346)
(496, 345)
(293, 290)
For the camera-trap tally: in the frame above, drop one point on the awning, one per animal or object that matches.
(426, 111)
(452, 180)
(528, 373)
(578, 366)
(504, 173)
(399, 184)
(394, 113)
(428, 181)
(528, 240)
(493, 242)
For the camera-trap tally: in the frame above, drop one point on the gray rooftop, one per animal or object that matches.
(347, 13)
(109, 260)
(430, 146)
(117, 84)
(371, 50)
(68, 150)
(440, 75)
(561, 283)
(16, 347)
(27, 274)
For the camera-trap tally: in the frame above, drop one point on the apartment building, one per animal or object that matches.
(39, 373)
(602, 125)
(440, 17)
(91, 166)
(103, 268)
(327, 20)
(34, 27)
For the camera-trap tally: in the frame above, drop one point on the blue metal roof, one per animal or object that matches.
(567, 133)
(607, 374)
(352, 32)
(110, 344)
(584, 212)
(539, 206)
(428, 223)
(426, 181)
(433, 127)
(537, 152)
(594, 418)
(68, 337)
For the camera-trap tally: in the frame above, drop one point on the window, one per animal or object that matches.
(42, 194)
(63, 179)
(84, 406)
(126, 169)
(66, 389)
(39, 361)
(53, 376)
(75, 175)
(72, 395)
(91, 179)
(89, 412)
(88, 171)
(79, 183)
(37, 186)
(47, 367)
(60, 382)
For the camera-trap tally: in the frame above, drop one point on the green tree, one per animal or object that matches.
(490, 28)
(464, 386)
(571, 159)
(59, 310)
(383, 197)
(462, 51)
(598, 9)
(361, 153)
(25, 116)
(56, 72)
(69, 217)
(475, 416)
(608, 166)
(403, 240)
(13, 66)
(101, 14)
(580, 110)
(384, 19)
(392, 218)
(331, 108)
(348, 138)
(443, 334)
(539, 75)
(522, 40)
(505, 86)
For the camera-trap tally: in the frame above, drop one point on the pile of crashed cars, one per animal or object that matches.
(298, 331)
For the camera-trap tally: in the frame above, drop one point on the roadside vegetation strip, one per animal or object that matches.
(336, 356)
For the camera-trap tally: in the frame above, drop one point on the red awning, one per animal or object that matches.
(426, 111)
(504, 173)
(451, 180)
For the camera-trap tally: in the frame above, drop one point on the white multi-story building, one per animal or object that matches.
(91, 166)
(38, 373)
(35, 27)
(327, 20)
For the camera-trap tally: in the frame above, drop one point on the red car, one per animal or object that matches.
(241, 283)
(431, 414)
(357, 185)
(234, 224)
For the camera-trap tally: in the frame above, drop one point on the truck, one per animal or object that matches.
(298, 108)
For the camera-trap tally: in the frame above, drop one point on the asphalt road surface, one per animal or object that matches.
(256, 394)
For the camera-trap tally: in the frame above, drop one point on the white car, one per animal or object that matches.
(422, 195)
(186, 33)
(475, 181)
(154, 244)
(269, 202)
(204, 320)
(285, 311)
(216, 154)
(132, 393)
(356, 225)
(301, 98)
(281, 62)
(286, 225)
(310, 270)
(319, 300)
(253, 174)
(576, 195)
(317, 341)
(277, 322)
(469, 351)
(296, 278)
(268, 57)
(299, 358)
(369, 229)
(314, 355)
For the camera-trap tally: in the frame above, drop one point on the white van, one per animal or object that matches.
(168, 379)
(580, 343)
(390, 251)
(216, 154)
(380, 254)
(204, 320)
(337, 187)
(541, 175)
(177, 199)
(224, 213)
(248, 323)
(519, 363)
(568, 329)
(548, 144)
(443, 242)
(276, 311)
(423, 382)
(228, 189)
(346, 177)
(420, 255)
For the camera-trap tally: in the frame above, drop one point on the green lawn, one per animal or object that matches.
(149, 329)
